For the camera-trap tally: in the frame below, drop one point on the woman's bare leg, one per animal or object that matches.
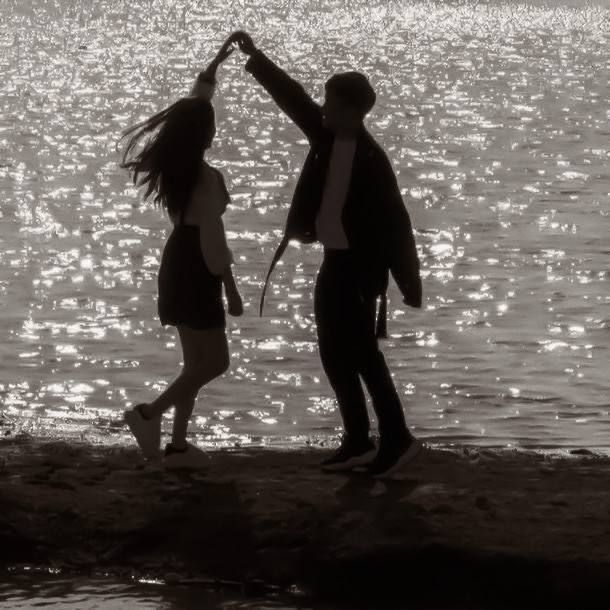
(182, 416)
(206, 353)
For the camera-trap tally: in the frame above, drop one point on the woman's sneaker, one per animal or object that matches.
(349, 455)
(189, 457)
(391, 458)
(147, 431)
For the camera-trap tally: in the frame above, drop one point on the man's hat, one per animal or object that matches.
(354, 89)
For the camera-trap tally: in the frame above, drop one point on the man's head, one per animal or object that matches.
(349, 98)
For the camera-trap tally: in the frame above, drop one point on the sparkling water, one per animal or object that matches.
(495, 116)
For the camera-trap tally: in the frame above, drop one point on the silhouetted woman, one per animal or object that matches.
(196, 260)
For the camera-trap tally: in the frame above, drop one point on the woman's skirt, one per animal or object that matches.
(189, 293)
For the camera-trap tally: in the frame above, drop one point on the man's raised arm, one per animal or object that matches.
(287, 93)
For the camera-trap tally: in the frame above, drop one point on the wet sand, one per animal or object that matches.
(486, 528)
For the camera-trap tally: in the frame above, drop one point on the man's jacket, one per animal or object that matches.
(375, 221)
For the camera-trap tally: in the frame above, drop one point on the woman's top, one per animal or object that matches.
(205, 208)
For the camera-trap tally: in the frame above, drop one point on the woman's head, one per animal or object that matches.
(170, 160)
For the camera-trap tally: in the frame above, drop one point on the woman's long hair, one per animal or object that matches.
(169, 163)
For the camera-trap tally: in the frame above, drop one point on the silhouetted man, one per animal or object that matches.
(347, 197)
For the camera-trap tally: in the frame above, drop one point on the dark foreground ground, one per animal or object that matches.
(487, 529)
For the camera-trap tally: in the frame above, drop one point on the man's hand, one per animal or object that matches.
(244, 40)
(414, 295)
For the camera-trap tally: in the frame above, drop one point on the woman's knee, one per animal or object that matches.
(203, 372)
(219, 366)
(217, 362)
(191, 383)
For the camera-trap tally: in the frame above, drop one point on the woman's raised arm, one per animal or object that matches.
(206, 80)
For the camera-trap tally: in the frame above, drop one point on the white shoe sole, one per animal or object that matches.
(406, 458)
(360, 460)
(147, 433)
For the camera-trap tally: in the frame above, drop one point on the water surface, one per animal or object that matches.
(495, 116)
(28, 591)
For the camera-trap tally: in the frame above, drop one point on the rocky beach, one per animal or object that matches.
(458, 528)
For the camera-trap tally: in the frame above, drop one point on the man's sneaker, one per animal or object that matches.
(348, 456)
(391, 458)
(146, 430)
(191, 457)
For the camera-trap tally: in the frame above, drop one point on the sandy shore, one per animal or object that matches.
(474, 528)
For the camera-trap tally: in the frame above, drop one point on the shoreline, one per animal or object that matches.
(472, 527)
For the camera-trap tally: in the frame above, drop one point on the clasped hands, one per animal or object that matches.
(246, 45)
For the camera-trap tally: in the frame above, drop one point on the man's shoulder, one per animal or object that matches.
(372, 148)
(373, 155)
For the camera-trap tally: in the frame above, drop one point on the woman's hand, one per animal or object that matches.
(236, 305)
(209, 74)
(224, 52)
